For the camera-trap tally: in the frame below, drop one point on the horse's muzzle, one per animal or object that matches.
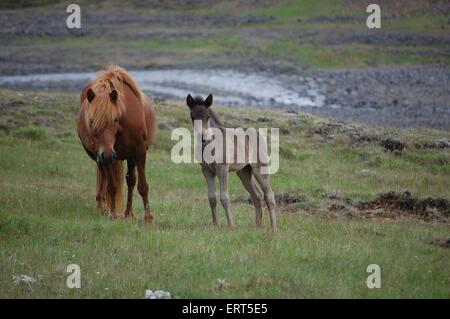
(105, 160)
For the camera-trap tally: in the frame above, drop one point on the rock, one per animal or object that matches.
(23, 279)
(158, 294)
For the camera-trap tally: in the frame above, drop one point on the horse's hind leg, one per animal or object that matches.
(247, 180)
(143, 187)
(269, 197)
(222, 173)
(131, 182)
(211, 181)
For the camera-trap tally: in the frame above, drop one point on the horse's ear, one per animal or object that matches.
(189, 100)
(209, 101)
(90, 95)
(113, 96)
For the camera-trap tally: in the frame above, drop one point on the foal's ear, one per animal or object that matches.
(189, 100)
(90, 95)
(209, 100)
(113, 96)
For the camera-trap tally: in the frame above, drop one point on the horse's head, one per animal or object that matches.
(102, 116)
(199, 109)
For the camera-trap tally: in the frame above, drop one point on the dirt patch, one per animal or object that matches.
(356, 134)
(283, 200)
(394, 205)
(387, 206)
(403, 7)
(4, 105)
(404, 96)
(437, 144)
(392, 145)
(444, 243)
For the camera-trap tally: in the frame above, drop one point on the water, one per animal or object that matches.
(228, 87)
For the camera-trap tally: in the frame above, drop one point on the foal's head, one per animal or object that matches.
(199, 109)
(102, 118)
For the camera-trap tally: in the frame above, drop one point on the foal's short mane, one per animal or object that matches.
(215, 118)
(102, 111)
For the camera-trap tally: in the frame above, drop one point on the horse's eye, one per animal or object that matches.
(116, 119)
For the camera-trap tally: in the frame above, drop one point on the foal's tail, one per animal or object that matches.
(102, 187)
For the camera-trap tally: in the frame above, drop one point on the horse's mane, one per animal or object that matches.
(102, 111)
(215, 117)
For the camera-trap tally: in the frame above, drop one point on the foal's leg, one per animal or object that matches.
(247, 180)
(143, 187)
(211, 181)
(131, 182)
(222, 173)
(269, 197)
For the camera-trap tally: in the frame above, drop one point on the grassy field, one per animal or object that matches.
(296, 35)
(48, 218)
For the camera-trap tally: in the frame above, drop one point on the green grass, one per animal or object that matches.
(48, 218)
(294, 9)
(66, 50)
(289, 39)
(420, 23)
(341, 56)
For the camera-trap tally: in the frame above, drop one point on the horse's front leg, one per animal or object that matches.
(222, 173)
(143, 187)
(112, 190)
(131, 182)
(211, 181)
(100, 196)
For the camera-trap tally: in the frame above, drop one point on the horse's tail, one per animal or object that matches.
(118, 173)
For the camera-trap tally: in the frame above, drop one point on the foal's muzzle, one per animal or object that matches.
(105, 160)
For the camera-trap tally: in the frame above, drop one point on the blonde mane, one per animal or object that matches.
(102, 111)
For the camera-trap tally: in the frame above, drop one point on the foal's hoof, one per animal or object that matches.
(148, 218)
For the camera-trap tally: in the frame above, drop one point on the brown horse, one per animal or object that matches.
(117, 122)
(246, 168)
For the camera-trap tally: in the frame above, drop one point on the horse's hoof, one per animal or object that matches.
(129, 215)
(148, 218)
